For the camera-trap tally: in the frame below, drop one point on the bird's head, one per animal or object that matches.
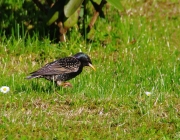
(84, 59)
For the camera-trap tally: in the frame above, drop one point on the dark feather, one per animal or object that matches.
(60, 66)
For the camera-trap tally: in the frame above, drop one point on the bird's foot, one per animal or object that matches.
(64, 84)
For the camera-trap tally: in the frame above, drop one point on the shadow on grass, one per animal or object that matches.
(38, 86)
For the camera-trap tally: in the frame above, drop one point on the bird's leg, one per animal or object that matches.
(64, 84)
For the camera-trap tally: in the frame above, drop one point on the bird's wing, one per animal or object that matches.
(60, 66)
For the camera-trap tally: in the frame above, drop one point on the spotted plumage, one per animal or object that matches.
(63, 69)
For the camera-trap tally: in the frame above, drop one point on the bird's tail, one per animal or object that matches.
(32, 76)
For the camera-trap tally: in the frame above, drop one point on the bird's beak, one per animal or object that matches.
(92, 67)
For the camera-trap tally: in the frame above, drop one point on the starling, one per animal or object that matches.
(63, 69)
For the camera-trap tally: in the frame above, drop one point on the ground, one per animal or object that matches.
(135, 50)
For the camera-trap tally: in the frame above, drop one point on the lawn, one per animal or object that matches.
(135, 50)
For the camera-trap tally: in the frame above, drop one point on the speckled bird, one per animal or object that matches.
(63, 69)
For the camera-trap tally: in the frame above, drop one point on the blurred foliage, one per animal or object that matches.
(115, 3)
(22, 18)
(19, 17)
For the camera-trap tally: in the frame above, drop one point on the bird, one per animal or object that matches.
(63, 69)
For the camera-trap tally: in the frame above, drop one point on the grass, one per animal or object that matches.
(133, 52)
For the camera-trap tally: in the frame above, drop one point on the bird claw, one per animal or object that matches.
(64, 84)
(67, 84)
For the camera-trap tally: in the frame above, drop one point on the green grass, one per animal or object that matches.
(133, 51)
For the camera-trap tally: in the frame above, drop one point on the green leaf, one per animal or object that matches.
(116, 4)
(71, 6)
(55, 11)
(53, 18)
(72, 20)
